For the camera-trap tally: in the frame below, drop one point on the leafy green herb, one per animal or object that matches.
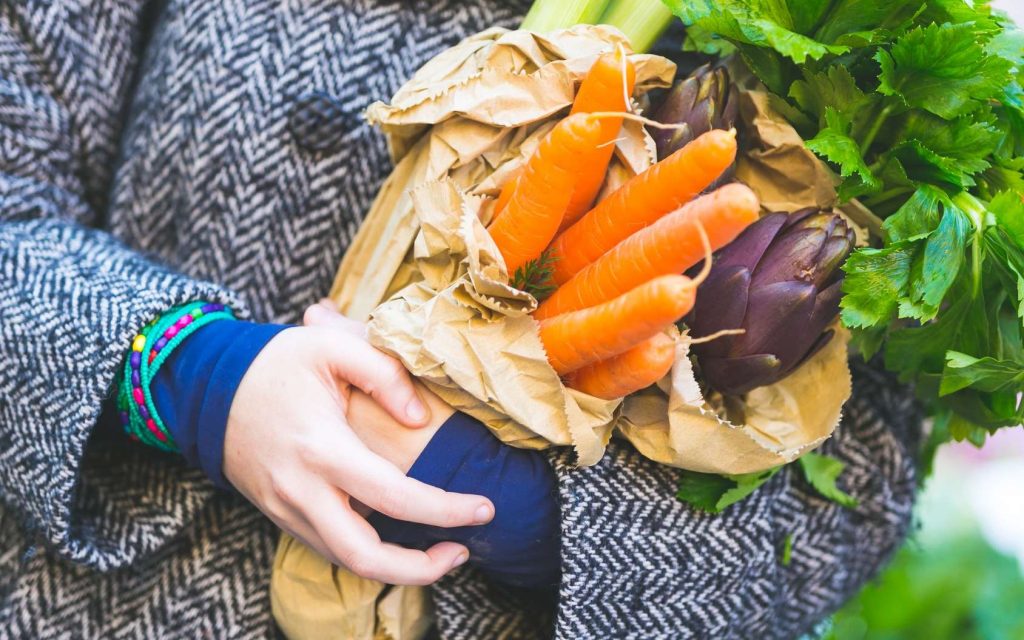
(534, 277)
(943, 69)
(712, 493)
(918, 105)
(821, 472)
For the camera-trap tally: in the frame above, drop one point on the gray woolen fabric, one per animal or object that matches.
(154, 153)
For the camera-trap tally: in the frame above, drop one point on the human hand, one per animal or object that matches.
(290, 450)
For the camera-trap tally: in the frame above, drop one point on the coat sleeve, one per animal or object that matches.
(71, 296)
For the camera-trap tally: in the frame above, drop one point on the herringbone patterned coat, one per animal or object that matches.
(150, 149)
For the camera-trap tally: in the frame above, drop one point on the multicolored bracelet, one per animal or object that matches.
(149, 350)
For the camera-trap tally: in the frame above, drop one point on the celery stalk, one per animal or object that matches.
(549, 15)
(641, 20)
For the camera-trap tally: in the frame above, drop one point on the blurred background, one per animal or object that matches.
(959, 577)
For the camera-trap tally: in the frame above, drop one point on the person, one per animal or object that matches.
(170, 158)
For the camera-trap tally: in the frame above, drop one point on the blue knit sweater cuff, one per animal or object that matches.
(194, 389)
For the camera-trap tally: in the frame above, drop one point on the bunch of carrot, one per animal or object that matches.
(617, 264)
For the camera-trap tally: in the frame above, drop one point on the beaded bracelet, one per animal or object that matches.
(150, 349)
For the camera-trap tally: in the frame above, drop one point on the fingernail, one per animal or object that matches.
(483, 514)
(460, 560)
(416, 411)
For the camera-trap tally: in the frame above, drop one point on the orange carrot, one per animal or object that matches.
(643, 200)
(603, 89)
(630, 371)
(574, 340)
(670, 245)
(506, 193)
(537, 206)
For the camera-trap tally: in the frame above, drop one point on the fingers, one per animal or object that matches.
(377, 374)
(351, 542)
(381, 377)
(379, 485)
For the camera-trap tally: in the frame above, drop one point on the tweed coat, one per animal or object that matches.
(153, 153)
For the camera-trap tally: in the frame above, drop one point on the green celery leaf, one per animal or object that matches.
(856, 22)
(832, 88)
(985, 374)
(762, 23)
(868, 341)
(1006, 258)
(918, 216)
(964, 144)
(1008, 44)
(875, 281)
(963, 430)
(944, 254)
(835, 145)
(794, 46)
(1008, 210)
(924, 165)
(775, 71)
(712, 493)
(943, 69)
(975, 13)
(1004, 175)
(803, 124)
(821, 472)
(746, 484)
(914, 351)
(703, 41)
(1010, 122)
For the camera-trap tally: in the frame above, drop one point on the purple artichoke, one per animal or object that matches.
(780, 281)
(704, 101)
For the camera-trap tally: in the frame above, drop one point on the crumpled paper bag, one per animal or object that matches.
(767, 427)
(311, 599)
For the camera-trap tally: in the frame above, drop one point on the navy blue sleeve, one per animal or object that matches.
(520, 546)
(194, 388)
